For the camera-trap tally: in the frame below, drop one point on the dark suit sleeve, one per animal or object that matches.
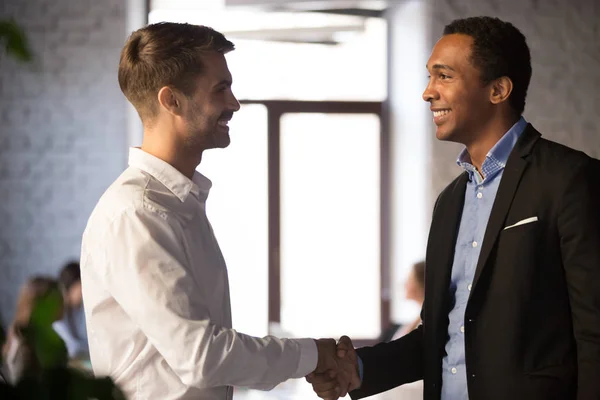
(388, 365)
(579, 230)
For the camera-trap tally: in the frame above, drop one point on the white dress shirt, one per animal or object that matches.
(156, 295)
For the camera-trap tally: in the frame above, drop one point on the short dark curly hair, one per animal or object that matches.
(499, 49)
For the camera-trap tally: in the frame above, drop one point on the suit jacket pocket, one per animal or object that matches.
(557, 370)
(553, 382)
(520, 238)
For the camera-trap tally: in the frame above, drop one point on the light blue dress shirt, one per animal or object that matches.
(479, 199)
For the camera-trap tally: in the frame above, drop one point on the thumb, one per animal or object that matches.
(343, 346)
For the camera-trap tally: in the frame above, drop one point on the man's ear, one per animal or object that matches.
(501, 89)
(171, 100)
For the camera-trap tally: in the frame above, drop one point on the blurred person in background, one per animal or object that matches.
(71, 328)
(18, 355)
(414, 289)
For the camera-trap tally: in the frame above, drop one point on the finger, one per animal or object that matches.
(328, 376)
(326, 387)
(343, 382)
(345, 342)
(343, 346)
(354, 383)
(332, 394)
(332, 374)
(348, 374)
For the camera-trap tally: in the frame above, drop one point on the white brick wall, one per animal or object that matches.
(63, 133)
(563, 98)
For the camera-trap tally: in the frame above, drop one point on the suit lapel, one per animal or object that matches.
(442, 248)
(515, 166)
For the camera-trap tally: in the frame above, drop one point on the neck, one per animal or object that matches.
(486, 138)
(166, 146)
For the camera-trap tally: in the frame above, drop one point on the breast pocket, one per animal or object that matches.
(519, 235)
(517, 255)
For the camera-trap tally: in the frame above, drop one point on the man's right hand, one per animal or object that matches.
(327, 355)
(335, 375)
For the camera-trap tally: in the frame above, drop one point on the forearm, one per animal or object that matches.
(226, 357)
(388, 365)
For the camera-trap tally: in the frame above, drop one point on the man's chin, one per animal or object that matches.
(444, 135)
(221, 140)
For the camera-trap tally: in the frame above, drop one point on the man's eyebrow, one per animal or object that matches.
(226, 82)
(442, 66)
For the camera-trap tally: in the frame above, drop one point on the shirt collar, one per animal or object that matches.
(496, 158)
(179, 184)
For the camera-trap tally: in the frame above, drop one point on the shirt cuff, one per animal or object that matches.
(360, 369)
(309, 356)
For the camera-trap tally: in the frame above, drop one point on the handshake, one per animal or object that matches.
(337, 369)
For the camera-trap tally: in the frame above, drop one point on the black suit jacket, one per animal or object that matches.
(532, 322)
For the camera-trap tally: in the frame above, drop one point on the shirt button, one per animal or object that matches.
(453, 370)
(462, 329)
(474, 244)
(469, 287)
(479, 195)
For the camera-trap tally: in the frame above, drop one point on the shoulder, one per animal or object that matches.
(135, 199)
(555, 154)
(559, 164)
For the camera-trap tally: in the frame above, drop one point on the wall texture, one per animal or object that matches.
(563, 99)
(63, 133)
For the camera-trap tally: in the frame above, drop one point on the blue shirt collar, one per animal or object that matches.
(496, 158)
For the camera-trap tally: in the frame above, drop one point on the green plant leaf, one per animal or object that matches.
(68, 384)
(49, 348)
(15, 40)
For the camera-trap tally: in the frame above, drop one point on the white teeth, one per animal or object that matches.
(223, 123)
(440, 113)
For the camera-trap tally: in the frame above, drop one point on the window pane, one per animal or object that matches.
(330, 239)
(237, 209)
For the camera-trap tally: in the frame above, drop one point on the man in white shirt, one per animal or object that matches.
(155, 283)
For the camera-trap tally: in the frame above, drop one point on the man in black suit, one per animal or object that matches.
(512, 288)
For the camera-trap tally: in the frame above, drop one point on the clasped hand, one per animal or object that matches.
(337, 369)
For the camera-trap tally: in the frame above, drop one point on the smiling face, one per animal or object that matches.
(209, 108)
(459, 100)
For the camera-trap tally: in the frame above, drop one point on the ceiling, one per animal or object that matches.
(364, 8)
(298, 21)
